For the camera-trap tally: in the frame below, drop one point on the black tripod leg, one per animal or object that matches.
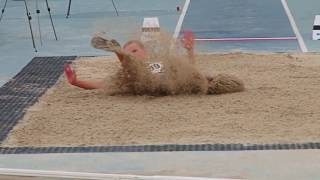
(2, 10)
(39, 26)
(29, 20)
(115, 8)
(69, 6)
(49, 10)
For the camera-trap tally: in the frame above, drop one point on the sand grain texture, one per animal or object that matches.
(280, 105)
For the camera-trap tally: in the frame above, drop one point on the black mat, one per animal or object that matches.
(158, 148)
(42, 73)
(26, 87)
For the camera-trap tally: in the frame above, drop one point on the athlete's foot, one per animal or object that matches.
(99, 42)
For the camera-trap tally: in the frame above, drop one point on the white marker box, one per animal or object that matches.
(316, 28)
(150, 28)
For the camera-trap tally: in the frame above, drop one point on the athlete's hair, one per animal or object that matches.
(139, 43)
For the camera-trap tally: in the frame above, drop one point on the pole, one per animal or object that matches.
(2, 11)
(115, 8)
(38, 16)
(29, 20)
(69, 6)
(54, 30)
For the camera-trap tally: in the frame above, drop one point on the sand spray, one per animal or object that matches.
(179, 75)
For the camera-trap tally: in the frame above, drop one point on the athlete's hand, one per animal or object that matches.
(70, 74)
(188, 40)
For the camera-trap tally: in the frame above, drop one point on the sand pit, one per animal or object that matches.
(280, 105)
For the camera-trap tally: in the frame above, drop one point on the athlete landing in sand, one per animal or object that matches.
(134, 50)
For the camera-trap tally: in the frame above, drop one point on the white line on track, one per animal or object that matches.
(92, 176)
(294, 26)
(180, 21)
(247, 39)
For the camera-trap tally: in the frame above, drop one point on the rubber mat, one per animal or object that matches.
(23, 90)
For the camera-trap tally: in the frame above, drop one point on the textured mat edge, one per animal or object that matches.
(158, 148)
(26, 87)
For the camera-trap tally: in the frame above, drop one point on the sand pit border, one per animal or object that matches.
(23, 90)
(43, 72)
(158, 148)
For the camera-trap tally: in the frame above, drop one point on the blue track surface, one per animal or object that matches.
(74, 33)
(207, 18)
(240, 19)
(304, 13)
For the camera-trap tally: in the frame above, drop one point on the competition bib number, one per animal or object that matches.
(156, 67)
